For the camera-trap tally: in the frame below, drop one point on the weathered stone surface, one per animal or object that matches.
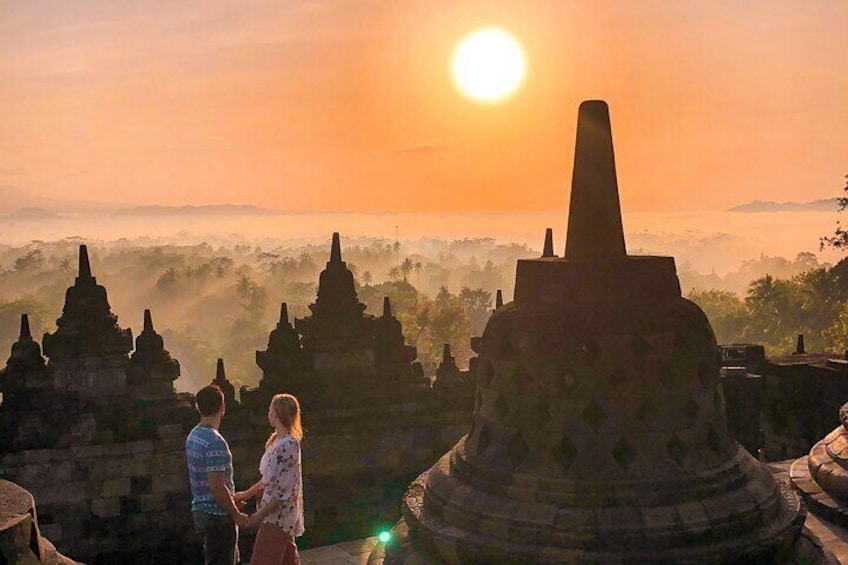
(21, 542)
(822, 476)
(599, 433)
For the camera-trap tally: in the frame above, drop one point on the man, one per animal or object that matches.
(210, 472)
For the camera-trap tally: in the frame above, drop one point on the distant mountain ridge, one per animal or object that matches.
(13, 198)
(197, 211)
(31, 213)
(824, 205)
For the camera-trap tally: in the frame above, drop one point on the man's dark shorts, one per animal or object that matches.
(219, 536)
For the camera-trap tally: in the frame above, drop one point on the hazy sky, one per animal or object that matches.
(348, 105)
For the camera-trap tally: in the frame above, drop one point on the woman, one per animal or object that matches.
(281, 481)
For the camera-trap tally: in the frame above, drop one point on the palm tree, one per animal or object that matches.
(406, 268)
(418, 266)
(766, 302)
(394, 273)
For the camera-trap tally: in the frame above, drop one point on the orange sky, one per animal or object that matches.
(348, 105)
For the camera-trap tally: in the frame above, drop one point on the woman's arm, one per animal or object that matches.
(245, 495)
(257, 517)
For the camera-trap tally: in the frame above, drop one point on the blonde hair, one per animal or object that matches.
(287, 409)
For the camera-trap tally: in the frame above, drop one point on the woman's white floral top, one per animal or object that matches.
(282, 479)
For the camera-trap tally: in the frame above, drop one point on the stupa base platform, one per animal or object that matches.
(817, 545)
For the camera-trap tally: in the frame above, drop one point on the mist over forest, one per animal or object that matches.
(215, 285)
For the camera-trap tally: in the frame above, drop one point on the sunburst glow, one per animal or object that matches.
(488, 65)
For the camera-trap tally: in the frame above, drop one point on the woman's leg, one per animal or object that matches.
(290, 555)
(270, 545)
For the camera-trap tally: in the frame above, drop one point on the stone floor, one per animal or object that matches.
(346, 553)
(356, 552)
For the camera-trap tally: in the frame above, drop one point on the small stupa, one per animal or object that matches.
(599, 432)
(152, 370)
(88, 352)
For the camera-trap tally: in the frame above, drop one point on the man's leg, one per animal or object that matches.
(219, 537)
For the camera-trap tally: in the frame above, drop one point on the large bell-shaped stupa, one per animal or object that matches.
(599, 432)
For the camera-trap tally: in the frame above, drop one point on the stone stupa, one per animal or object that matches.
(599, 432)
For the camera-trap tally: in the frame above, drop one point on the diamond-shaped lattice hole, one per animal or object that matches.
(676, 449)
(566, 452)
(501, 408)
(624, 453)
(594, 414)
(590, 349)
(668, 374)
(713, 441)
(517, 450)
(539, 416)
(618, 376)
(520, 375)
(568, 381)
(639, 346)
(647, 412)
(483, 440)
(690, 411)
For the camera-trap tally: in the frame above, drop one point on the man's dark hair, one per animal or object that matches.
(209, 400)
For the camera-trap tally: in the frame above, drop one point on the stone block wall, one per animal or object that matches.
(743, 394)
(787, 408)
(129, 502)
(110, 503)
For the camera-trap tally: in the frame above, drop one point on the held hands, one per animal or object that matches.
(256, 519)
(240, 499)
(242, 520)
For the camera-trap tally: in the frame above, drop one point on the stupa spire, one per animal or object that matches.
(799, 345)
(387, 307)
(84, 265)
(25, 333)
(220, 375)
(336, 249)
(148, 322)
(498, 299)
(594, 216)
(446, 353)
(549, 243)
(284, 313)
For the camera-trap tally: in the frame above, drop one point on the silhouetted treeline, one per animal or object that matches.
(774, 310)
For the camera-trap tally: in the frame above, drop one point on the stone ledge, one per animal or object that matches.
(20, 540)
(815, 498)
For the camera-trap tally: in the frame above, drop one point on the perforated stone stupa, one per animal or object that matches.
(599, 432)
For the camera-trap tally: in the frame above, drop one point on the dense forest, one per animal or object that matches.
(211, 302)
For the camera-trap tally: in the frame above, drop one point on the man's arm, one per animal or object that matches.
(223, 498)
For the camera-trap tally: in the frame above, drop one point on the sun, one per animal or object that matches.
(488, 65)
